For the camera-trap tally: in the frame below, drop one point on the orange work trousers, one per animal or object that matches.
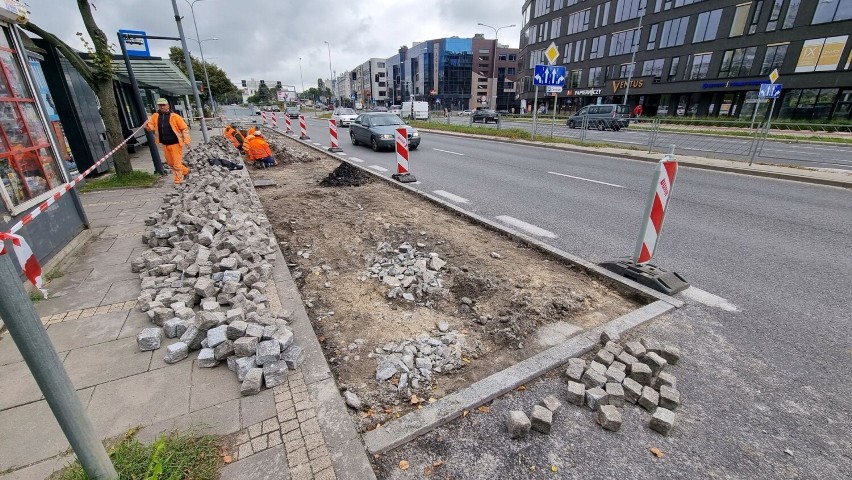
(174, 158)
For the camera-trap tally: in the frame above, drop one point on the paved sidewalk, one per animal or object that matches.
(298, 430)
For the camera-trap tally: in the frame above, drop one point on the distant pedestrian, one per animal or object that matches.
(637, 111)
(172, 133)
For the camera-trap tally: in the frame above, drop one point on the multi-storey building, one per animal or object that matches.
(695, 57)
(250, 87)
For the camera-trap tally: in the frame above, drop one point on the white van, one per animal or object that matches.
(420, 110)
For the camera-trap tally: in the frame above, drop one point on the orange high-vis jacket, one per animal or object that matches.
(251, 130)
(229, 134)
(246, 143)
(178, 126)
(258, 148)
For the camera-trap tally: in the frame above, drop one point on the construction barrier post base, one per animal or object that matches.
(404, 177)
(649, 275)
(304, 137)
(334, 149)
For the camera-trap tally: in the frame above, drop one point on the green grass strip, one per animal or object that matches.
(134, 179)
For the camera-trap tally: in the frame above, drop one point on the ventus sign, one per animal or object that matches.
(622, 84)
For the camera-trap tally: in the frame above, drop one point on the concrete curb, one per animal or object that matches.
(414, 424)
(686, 163)
(624, 285)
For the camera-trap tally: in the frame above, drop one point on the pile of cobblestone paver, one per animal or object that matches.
(205, 276)
(618, 376)
(417, 360)
(284, 152)
(411, 274)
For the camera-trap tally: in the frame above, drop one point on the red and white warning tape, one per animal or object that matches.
(28, 261)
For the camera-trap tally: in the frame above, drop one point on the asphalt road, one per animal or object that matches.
(766, 352)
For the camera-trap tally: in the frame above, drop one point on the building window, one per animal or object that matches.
(706, 26)
(555, 27)
(531, 34)
(513, 57)
(557, 4)
(821, 54)
(580, 50)
(832, 11)
(669, 4)
(755, 17)
(567, 57)
(774, 15)
(628, 9)
(697, 66)
(598, 47)
(674, 32)
(527, 14)
(602, 15)
(625, 70)
(737, 63)
(773, 59)
(652, 37)
(502, 57)
(595, 77)
(653, 68)
(536, 57)
(740, 19)
(808, 103)
(792, 11)
(578, 22)
(380, 64)
(542, 7)
(673, 69)
(624, 42)
(576, 78)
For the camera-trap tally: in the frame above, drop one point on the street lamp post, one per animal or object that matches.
(494, 63)
(300, 75)
(331, 75)
(204, 65)
(633, 59)
(190, 72)
(201, 50)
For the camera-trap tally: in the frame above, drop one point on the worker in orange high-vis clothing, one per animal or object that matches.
(172, 133)
(229, 134)
(259, 151)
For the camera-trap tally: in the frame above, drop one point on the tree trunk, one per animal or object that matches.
(109, 113)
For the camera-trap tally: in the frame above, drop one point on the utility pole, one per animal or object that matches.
(188, 61)
(333, 94)
(201, 50)
(300, 75)
(633, 57)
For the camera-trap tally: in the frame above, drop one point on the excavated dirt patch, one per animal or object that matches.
(521, 301)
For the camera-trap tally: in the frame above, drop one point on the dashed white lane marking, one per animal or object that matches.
(450, 196)
(317, 143)
(342, 154)
(586, 179)
(447, 151)
(378, 168)
(707, 298)
(356, 159)
(527, 227)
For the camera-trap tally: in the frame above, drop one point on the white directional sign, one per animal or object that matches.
(546, 75)
(550, 89)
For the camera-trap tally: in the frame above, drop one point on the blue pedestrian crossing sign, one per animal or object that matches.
(769, 90)
(549, 75)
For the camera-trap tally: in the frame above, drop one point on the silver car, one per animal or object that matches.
(344, 116)
(395, 109)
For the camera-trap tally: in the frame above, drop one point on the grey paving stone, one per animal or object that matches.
(613, 348)
(243, 365)
(615, 394)
(236, 329)
(595, 397)
(275, 373)
(174, 328)
(104, 362)
(149, 339)
(576, 393)
(634, 348)
(253, 382)
(609, 335)
(270, 464)
(650, 344)
(245, 346)
(662, 421)
(257, 408)
(134, 323)
(632, 390)
(216, 336)
(219, 419)
(206, 358)
(626, 359)
(176, 352)
(268, 351)
(655, 362)
(193, 336)
(664, 378)
(294, 356)
(332, 415)
(598, 367)
(641, 373)
(670, 353)
(518, 424)
(615, 374)
(604, 357)
(576, 367)
(593, 378)
(122, 291)
(669, 398)
(84, 332)
(541, 419)
(649, 399)
(551, 403)
(19, 387)
(609, 418)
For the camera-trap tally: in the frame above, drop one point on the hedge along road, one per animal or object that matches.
(762, 337)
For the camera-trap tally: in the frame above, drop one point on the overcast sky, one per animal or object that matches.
(265, 38)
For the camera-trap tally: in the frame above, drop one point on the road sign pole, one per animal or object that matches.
(754, 114)
(553, 121)
(535, 112)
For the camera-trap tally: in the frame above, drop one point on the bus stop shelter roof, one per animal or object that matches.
(155, 72)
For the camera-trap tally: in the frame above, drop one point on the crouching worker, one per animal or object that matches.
(259, 151)
(230, 134)
(172, 133)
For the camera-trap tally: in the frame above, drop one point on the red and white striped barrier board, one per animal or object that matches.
(274, 120)
(304, 128)
(263, 117)
(655, 210)
(332, 134)
(28, 261)
(402, 151)
(287, 122)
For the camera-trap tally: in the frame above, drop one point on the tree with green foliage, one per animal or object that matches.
(223, 89)
(264, 96)
(98, 73)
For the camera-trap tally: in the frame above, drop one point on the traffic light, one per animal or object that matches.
(278, 84)
(244, 84)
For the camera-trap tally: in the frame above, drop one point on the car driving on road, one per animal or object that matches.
(344, 116)
(485, 116)
(292, 112)
(395, 109)
(602, 117)
(378, 130)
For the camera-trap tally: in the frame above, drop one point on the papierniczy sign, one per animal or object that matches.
(583, 93)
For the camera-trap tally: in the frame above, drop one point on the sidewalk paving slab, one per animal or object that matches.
(269, 464)
(105, 362)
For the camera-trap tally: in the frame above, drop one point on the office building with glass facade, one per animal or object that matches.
(695, 57)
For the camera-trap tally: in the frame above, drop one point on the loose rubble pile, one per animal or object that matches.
(346, 176)
(285, 153)
(411, 274)
(412, 363)
(204, 278)
(619, 375)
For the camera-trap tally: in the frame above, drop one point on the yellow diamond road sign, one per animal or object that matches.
(773, 77)
(552, 53)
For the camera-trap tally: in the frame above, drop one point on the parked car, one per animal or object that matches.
(378, 130)
(380, 109)
(344, 116)
(465, 113)
(292, 112)
(602, 117)
(485, 115)
(395, 109)
(503, 112)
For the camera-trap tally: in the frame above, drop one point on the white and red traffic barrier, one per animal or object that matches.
(263, 117)
(303, 127)
(274, 120)
(26, 258)
(332, 135)
(287, 123)
(655, 210)
(403, 173)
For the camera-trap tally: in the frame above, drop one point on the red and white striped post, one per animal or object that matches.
(274, 120)
(332, 134)
(655, 210)
(263, 117)
(287, 122)
(304, 128)
(402, 174)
